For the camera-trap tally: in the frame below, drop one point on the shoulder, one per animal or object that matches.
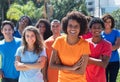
(2, 42)
(85, 41)
(106, 43)
(115, 31)
(49, 39)
(62, 37)
(17, 39)
(20, 48)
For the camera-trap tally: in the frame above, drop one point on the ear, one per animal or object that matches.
(1, 31)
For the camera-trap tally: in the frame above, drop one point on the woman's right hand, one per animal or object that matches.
(78, 64)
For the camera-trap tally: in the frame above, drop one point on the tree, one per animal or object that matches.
(116, 16)
(16, 11)
(62, 7)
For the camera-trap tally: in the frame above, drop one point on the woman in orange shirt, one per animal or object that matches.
(70, 52)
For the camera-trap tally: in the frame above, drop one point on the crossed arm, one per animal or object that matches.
(22, 66)
(79, 67)
(102, 61)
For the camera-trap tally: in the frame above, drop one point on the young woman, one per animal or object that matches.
(70, 52)
(100, 53)
(44, 27)
(8, 48)
(23, 22)
(31, 56)
(113, 36)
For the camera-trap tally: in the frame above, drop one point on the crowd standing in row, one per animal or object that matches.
(86, 51)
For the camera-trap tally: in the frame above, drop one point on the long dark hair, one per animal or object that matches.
(48, 31)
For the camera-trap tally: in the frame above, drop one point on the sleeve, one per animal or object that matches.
(87, 50)
(117, 34)
(107, 49)
(56, 44)
(18, 52)
(43, 53)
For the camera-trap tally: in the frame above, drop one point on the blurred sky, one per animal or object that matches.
(117, 2)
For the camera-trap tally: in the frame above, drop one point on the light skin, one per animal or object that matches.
(79, 67)
(96, 30)
(30, 39)
(7, 32)
(108, 29)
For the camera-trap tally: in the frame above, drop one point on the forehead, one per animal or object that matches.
(7, 26)
(54, 23)
(29, 32)
(72, 21)
(24, 18)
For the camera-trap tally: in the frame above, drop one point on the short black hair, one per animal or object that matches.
(7, 22)
(96, 20)
(79, 17)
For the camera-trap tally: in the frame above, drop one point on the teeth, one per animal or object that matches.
(72, 31)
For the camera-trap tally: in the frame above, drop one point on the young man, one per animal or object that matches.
(8, 47)
(52, 74)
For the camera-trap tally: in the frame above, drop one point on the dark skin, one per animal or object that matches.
(73, 29)
(78, 67)
(96, 30)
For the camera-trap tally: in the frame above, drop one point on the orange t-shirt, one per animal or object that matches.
(52, 73)
(69, 55)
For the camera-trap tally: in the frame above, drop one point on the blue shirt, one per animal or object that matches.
(33, 75)
(7, 51)
(111, 37)
(17, 34)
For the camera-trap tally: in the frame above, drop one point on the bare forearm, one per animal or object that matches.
(34, 66)
(61, 67)
(22, 68)
(98, 62)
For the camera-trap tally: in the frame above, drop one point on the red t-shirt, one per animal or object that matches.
(96, 73)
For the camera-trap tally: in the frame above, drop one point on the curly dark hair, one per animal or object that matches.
(38, 45)
(79, 17)
(108, 16)
(96, 20)
(48, 31)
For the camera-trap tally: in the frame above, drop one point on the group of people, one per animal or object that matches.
(86, 51)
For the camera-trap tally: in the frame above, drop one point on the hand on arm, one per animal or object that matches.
(38, 65)
(56, 63)
(20, 66)
(81, 65)
(102, 61)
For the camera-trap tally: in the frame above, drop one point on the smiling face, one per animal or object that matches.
(23, 23)
(55, 28)
(108, 23)
(7, 31)
(96, 29)
(30, 38)
(73, 28)
(42, 28)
